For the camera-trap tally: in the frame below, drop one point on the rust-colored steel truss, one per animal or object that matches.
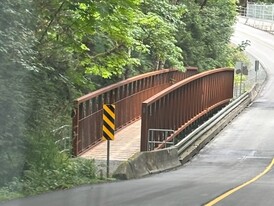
(183, 103)
(127, 96)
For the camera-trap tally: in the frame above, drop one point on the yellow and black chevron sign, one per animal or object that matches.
(108, 121)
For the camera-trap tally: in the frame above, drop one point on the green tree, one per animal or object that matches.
(108, 38)
(16, 60)
(159, 25)
(206, 36)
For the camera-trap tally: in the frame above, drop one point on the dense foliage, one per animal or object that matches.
(205, 37)
(52, 51)
(15, 48)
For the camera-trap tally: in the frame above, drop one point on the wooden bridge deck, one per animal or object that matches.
(125, 144)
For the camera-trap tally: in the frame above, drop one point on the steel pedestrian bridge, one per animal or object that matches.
(153, 110)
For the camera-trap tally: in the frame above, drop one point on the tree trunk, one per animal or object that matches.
(157, 64)
(203, 4)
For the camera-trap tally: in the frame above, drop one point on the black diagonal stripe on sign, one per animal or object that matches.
(109, 128)
(109, 117)
(105, 135)
(111, 107)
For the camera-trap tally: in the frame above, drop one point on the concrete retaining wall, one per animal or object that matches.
(144, 163)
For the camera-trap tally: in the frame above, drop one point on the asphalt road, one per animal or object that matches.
(239, 153)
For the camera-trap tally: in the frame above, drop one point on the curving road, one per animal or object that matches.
(241, 152)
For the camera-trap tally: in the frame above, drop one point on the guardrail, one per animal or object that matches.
(127, 96)
(184, 144)
(182, 104)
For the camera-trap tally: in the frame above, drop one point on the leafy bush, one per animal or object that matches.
(84, 168)
(71, 172)
(66, 176)
(46, 168)
(49, 169)
(6, 194)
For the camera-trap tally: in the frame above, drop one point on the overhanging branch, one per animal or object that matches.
(51, 21)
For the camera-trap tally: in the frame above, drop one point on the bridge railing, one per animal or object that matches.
(127, 96)
(177, 107)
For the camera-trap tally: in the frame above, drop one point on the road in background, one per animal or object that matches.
(240, 152)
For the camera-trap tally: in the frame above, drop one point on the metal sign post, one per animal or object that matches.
(239, 68)
(108, 128)
(108, 148)
(257, 66)
(242, 70)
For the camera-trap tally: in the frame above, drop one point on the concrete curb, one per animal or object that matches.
(145, 163)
